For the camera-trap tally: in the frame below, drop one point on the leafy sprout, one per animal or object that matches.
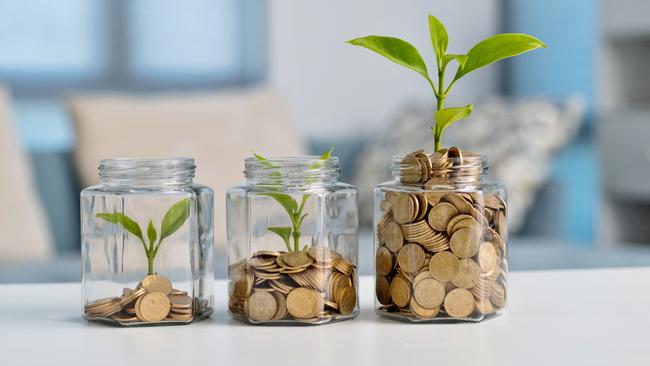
(290, 204)
(172, 221)
(484, 53)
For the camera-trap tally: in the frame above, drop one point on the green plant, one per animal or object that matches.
(290, 204)
(486, 52)
(172, 221)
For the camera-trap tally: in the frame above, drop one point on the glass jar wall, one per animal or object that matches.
(440, 239)
(147, 238)
(292, 243)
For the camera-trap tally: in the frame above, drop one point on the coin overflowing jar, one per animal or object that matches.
(147, 244)
(153, 300)
(440, 239)
(292, 240)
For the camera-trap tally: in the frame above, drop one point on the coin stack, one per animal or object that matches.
(152, 301)
(312, 286)
(441, 253)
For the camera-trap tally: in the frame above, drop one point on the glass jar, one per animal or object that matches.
(146, 244)
(292, 243)
(440, 239)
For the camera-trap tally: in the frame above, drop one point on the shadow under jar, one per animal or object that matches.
(146, 244)
(440, 239)
(292, 243)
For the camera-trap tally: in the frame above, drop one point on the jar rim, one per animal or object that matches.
(149, 171)
(292, 170)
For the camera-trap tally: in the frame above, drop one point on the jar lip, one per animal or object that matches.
(472, 158)
(151, 171)
(292, 170)
(284, 161)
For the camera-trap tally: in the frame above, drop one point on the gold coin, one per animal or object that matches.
(487, 257)
(465, 242)
(404, 208)
(457, 201)
(180, 301)
(262, 306)
(132, 296)
(393, 237)
(429, 293)
(410, 258)
(452, 227)
(502, 223)
(400, 291)
(157, 283)
(323, 254)
(297, 259)
(440, 215)
(125, 317)
(484, 306)
(459, 303)
(422, 312)
(348, 301)
(468, 274)
(179, 317)
(384, 261)
(443, 266)
(498, 295)
(153, 307)
(382, 290)
(281, 313)
(304, 303)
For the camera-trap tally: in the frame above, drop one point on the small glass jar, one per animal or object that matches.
(292, 243)
(146, 244)
(440, 239)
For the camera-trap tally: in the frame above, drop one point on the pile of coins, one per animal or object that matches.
(312, 286)
(441, 252)
(153, 300)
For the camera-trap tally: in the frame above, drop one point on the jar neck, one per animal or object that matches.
(300, 171)
(149, 173)
(440, 168)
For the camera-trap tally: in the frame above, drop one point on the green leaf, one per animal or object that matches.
(302, 218)
(126, 222)
(439, 37)
(446, 117)
(174, 218)
(285, 200)
(496, 48)
(151, 233)
(283, 232)
(305, 197)
(396, 50)
(461, 59)
(326, 155)
(263, 160)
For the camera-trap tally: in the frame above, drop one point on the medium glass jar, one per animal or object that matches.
(440, 239)
(292, 243)
(146, 244)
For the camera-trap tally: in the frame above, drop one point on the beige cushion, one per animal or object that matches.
(24, 234)
(219, 130)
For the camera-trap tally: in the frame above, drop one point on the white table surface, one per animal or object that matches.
(580, 317)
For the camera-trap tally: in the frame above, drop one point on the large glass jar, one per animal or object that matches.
(292, 243)
(146, 244)
(440, 239)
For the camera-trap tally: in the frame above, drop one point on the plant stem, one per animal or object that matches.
(440, 104)
(296, 239)
(150, 259)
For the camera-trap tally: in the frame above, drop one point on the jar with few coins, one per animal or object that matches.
(440, 239)
(147, 244)
(292, 243)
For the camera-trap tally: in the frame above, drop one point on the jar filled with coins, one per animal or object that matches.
(440, 239)
(292, 243)
(146, 244)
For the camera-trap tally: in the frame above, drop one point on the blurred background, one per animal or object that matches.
(566, 128)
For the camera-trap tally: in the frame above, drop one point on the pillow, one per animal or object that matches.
(217, 129)
(25, 232)
(518, 136)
